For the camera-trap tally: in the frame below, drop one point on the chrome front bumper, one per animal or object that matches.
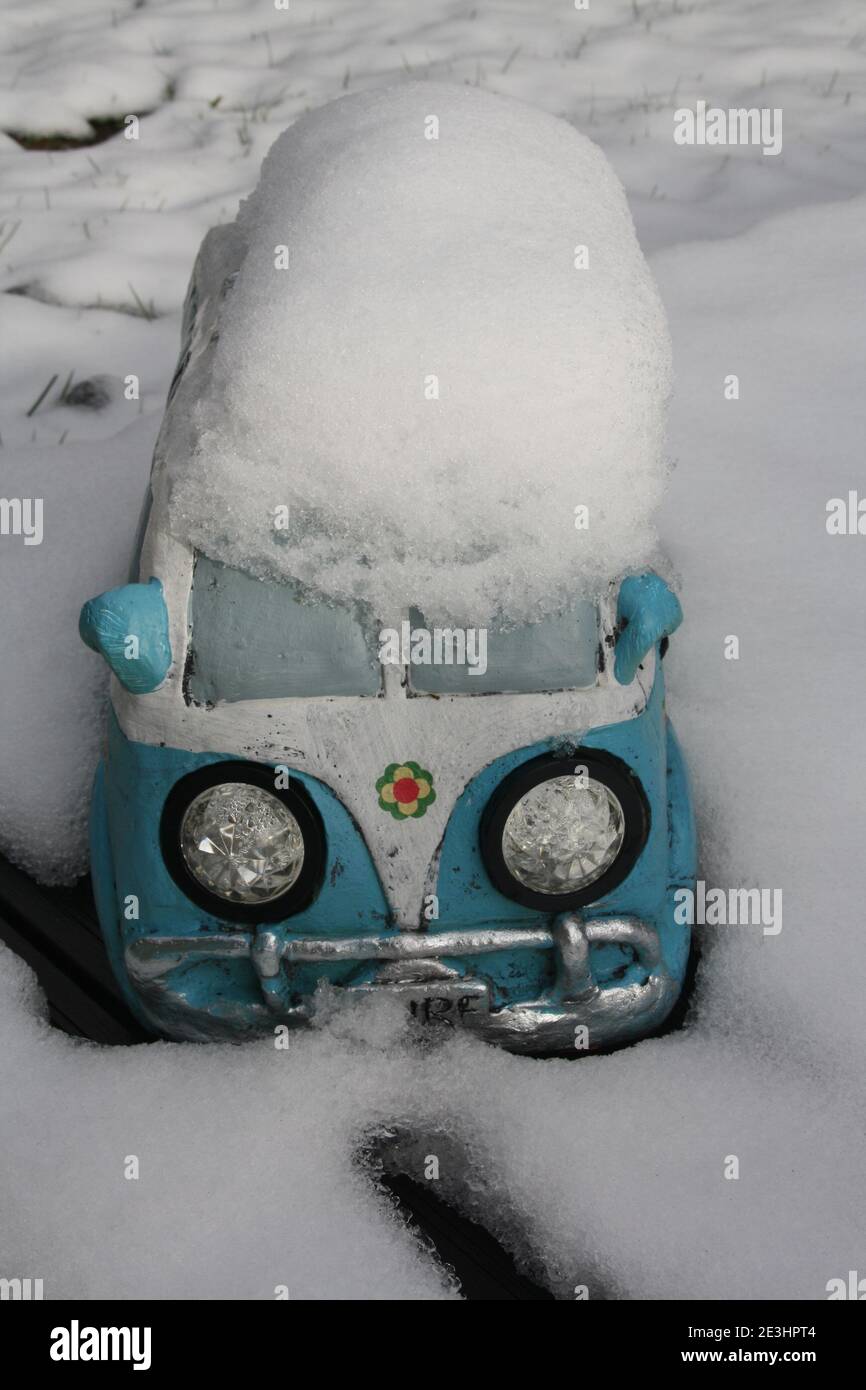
(576, 1014)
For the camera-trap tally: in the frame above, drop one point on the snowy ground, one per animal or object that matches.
(610, 1171)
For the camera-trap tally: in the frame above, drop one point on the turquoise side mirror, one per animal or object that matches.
(646, 611)
(129, 627)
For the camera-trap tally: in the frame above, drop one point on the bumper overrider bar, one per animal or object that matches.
(413, 968)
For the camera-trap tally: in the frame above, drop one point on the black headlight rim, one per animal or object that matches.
(297, 800)
(602, 767)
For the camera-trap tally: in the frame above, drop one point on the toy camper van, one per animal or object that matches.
(290, 809)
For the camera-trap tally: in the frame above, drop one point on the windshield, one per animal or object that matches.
(253, 639)
(558, 653)
(256, 639)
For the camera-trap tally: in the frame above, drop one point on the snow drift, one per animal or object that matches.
(52, 690)
(443, 340)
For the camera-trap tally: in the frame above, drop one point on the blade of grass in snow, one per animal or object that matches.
(41, 397)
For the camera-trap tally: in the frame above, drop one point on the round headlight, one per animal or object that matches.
(240, 847)
(563, 835)
(241, 843)
(561, 832)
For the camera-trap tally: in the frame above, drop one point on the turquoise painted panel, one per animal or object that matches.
(468, 898)
(137, 897)
(646, 612)
(108, 909)
(138, 778)
(129, 628)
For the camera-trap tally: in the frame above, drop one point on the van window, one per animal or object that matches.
(558, 653)
(256, 639)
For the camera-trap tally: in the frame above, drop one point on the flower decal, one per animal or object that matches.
(405, 789)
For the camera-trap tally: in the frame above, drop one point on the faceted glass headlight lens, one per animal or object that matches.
(563, 834)
(242, 843)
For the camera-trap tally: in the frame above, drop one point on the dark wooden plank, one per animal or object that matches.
(56, 932)
(485, 1269)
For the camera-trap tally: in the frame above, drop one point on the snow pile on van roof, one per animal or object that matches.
(442, 343)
